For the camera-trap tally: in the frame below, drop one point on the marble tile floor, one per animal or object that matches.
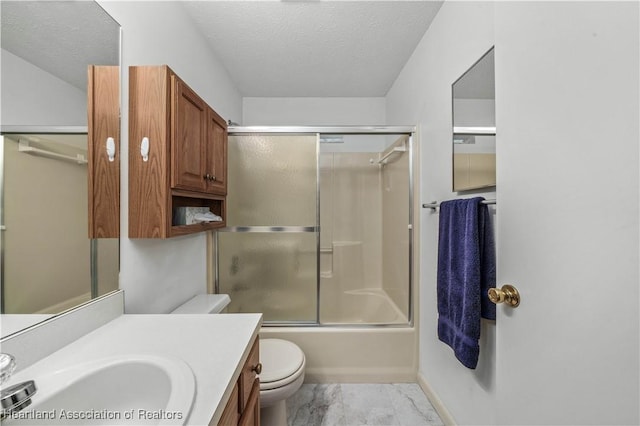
(401, 404)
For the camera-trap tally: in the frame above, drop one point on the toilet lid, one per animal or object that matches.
(279, 358)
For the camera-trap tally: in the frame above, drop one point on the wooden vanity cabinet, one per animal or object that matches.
(231, 413)
(251, 414)
(243, 408)
(103, 128)
(185, 164)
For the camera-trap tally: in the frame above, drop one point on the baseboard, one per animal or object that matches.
(355, 375)
(442, 411)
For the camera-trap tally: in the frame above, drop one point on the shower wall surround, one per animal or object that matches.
(364, 243)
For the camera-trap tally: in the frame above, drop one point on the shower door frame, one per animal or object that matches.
(318, 131)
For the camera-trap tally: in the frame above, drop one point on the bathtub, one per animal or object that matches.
(349, 354)
(363, 306)
(350, 345)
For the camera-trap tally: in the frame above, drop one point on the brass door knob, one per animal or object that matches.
(508, 294)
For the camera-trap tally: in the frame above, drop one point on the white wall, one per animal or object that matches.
(568, 103)
(460, 34)
(32, 96)
(157, 276)
(568, 120)
(313, 111)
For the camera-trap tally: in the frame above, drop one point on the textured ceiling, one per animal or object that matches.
(61, 37)
(313, 48)
(270, 48)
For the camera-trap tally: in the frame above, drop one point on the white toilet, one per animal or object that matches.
(282, 375)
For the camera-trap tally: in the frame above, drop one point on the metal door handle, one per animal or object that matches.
(508, 294)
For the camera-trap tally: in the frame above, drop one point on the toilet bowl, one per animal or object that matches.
(282, 374)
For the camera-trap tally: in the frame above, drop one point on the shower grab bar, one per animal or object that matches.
(267, 229)
(434, 204)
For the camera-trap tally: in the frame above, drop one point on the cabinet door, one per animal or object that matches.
(230, 415)
(251, 414)
(188, 144)
(249, 374)
(217, 154)
(103, 110)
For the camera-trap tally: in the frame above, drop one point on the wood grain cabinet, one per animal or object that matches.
(243, 408)
(199, 151)
(231, 413)
(177, 155)
(103, 151)
(217, 146)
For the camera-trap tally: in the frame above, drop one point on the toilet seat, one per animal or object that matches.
(282, 363)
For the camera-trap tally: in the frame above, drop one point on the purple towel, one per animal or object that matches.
(466, 271)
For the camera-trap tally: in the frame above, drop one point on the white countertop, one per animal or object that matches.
(214, 346)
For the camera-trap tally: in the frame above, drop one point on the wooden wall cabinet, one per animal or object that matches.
(186, 161)
(243, 408)
(103, 119)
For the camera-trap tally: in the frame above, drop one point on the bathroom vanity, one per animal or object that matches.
(206, 365)
(243, 407)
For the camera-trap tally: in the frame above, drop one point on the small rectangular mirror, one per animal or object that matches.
(474, 126)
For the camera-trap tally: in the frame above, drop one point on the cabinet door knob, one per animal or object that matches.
(213, 178)
(257, 368)
(207, 176)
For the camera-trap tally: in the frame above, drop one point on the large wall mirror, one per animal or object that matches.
(49, 264)
(474, 126)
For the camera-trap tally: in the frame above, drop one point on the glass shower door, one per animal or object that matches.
(267, 257)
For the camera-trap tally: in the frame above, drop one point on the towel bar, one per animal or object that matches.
(434, 204)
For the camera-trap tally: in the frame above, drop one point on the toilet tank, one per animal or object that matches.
(204, 304)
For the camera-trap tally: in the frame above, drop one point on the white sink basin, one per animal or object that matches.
(136, 390)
